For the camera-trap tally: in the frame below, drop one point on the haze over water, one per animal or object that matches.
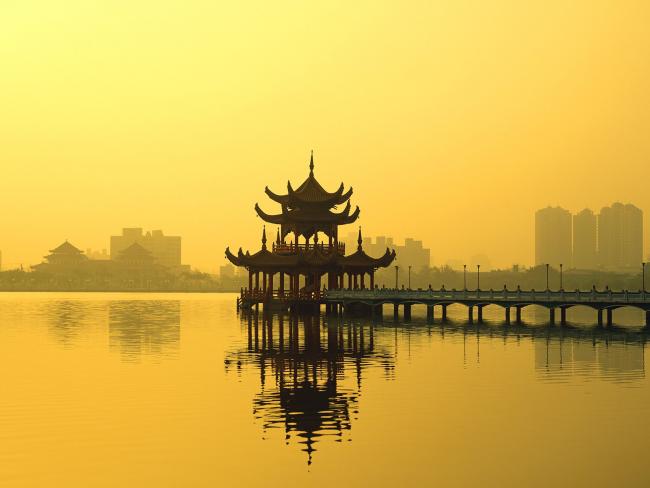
(179, 390)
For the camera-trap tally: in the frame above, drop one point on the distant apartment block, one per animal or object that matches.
(553, 243)
(612, 240)
(166, 250)
(585, 240)
(620, 236)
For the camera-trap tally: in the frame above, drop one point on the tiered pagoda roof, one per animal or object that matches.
(313, 257)
(308, 209)
(305, 212)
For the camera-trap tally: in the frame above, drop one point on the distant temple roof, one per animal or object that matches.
(66, 248)
(136, 252)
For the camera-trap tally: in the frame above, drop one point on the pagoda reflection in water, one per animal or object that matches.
(316, 365)
(311, 367)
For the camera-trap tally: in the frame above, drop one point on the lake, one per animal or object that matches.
(175, 390)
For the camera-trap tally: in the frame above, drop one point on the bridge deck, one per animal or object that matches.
(506, 298)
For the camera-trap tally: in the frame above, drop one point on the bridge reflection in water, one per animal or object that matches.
(311, 367)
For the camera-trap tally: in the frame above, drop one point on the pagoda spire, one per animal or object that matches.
(360, 241)
(277, 238)
(311, 164)
(264, 238)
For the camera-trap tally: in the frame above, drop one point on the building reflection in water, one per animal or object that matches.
(311, 368)
(67, 319)
(315, 365)
(144, 328)
(616, 355)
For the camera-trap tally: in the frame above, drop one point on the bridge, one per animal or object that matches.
(601, 301)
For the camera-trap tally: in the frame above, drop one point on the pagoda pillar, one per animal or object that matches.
(264, 282)
(356, 281)
(257, 280)
(282, 282)
(363, 281)
(349, 280)
(271, 283)
(372, 280)
(250, 281)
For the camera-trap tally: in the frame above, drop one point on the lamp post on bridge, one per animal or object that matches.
(409, 276)
(396, 277)
(643, 276)
(464, 277)
(561, 285)
(547, 276)
(478, 277)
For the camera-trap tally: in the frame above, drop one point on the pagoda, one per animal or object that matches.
(306, 255)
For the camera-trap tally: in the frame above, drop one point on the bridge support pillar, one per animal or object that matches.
(407, 311)
(379, 311)
(600, 317)
(479, 310)
(470, 314)
(430, 314)
(396, 311)
(609, 317)
(563, 316)
(518, 315)
(507, 315)
(444, 313)
(551, 315)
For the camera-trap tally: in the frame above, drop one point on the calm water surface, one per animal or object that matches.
(178, 390)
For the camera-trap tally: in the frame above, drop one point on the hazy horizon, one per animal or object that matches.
(453, 123)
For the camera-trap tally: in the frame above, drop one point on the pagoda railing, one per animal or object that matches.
(291, 248)
(261, 296)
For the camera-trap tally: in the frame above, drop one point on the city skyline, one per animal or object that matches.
(454, 261)
(457, 147)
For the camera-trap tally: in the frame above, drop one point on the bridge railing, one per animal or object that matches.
(494, 295)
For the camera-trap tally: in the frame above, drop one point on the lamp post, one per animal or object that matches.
(409, 276)
(478, 277)
(643, 276)
(546, 276)
(561, 287)
(396, 276)
(464, 277)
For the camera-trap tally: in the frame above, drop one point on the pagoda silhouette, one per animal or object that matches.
(303, 262)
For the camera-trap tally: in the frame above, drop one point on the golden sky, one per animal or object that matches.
(453, 121)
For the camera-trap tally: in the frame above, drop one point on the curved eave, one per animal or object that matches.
(281, 199)
(348, 219)
(271, 219)
(232, 258)
(362, 260)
